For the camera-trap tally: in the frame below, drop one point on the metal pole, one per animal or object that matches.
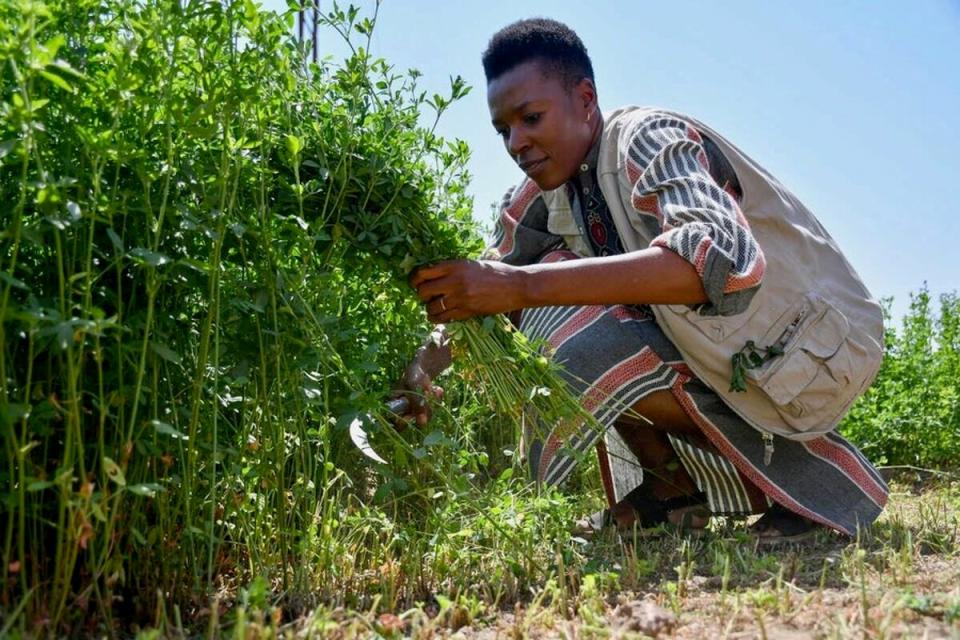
(316, 26)
(300, 18)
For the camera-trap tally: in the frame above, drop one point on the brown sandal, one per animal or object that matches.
(782, 526)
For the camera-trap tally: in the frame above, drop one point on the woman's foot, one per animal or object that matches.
(782, 526)
(688, 513)
(693, 517)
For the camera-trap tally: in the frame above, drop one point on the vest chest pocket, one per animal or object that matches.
(817, 365)
(717, 328)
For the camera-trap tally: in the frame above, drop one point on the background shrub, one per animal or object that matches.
(911, 414)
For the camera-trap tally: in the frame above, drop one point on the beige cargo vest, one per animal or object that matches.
(811, 302)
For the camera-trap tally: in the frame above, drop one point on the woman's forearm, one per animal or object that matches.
(460, 289)
(650, 276)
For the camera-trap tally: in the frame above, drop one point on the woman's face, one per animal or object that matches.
(543, 124)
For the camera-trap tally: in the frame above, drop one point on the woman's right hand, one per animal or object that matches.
(417, 386)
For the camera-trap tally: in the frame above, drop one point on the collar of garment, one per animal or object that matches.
(584, 180)
(589, 162)
(586, 176)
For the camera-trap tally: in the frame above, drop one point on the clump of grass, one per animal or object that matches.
(513, 374)
(714, 586)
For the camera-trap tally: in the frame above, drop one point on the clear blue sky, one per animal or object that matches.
(854, 105)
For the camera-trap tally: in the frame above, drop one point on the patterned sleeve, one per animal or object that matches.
(521, 235)
(700, 221)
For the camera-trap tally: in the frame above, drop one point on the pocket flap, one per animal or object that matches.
(827, 334)
(793, 375)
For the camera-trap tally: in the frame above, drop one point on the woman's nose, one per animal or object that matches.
(517, 142)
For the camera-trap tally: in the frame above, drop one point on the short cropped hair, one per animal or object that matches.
(551, 42)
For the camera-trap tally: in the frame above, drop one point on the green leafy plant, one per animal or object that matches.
(205, 249)
(911, 413)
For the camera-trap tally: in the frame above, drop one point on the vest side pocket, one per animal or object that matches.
(817, 366)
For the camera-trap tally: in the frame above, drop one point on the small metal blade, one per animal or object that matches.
(359, 437)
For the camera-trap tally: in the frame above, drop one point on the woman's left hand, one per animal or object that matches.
(460, 289)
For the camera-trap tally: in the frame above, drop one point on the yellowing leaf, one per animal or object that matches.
(114, 472)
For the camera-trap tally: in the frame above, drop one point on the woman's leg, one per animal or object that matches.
(644, 429)
(617, 358)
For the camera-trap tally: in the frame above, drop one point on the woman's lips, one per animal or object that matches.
(531, 168)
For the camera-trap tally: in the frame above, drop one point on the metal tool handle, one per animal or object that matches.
(399, 406)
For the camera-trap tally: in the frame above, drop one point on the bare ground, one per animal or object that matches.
(901, 579)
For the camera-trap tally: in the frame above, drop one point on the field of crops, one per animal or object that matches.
(204, 254)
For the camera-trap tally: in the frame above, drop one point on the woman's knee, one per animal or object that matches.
(660, 411)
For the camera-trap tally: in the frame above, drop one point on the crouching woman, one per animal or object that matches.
(674, 279)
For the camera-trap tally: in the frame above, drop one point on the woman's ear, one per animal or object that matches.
(586, 96)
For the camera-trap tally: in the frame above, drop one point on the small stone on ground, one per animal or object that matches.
(644, 617)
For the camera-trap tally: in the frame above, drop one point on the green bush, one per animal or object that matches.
(204, 254)
(911, 414)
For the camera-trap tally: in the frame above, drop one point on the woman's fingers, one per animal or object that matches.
(423, 274)
(443, 278)
(456, 290)
(420, 408)
(439, 306)
(432, 272)
(446, 309)
(422, 414)
(432, 289)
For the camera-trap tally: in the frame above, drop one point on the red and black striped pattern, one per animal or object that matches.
(672, 182)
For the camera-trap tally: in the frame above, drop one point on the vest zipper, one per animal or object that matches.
(767, 447)
(791, 329)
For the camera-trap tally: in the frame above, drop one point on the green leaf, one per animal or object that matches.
(13, 282)
(196, 265)
(51, 47)
(39, 485)
(383, 491)
(115, 240)
(12, 413)
(138, 536)
(147, 490)
(148, 257)
(57, 80)
(113, 471)
(6, 147)
(97, 512)
(165, 352)
(407, 264)
(294, 144)
(168, 430)
(62, 65)
(313, 392)
(437, 437)
(73, 211)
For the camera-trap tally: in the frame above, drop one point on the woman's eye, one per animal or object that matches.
(503, 132)
(531, 118)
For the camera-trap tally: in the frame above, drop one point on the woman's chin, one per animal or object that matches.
(548, 183)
